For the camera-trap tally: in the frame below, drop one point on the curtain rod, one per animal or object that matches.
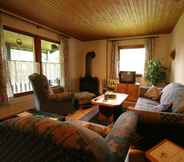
(134, 37)
(33, 23)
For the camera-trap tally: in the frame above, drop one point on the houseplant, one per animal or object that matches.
(155, 72)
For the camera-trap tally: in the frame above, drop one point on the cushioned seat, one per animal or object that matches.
(83, 98)
(146, 104)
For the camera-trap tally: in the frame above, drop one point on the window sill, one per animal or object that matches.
(22, 94)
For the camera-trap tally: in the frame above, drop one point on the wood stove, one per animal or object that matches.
(88, 82)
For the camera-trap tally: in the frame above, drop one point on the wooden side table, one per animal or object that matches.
(132, 90)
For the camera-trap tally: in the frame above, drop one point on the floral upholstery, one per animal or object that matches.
(34, 139)
(119, 138)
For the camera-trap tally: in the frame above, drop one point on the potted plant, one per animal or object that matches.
(155, 72)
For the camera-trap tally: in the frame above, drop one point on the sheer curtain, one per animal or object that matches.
(5, 85)
(149, 46)
(113, 60)
(65, 69)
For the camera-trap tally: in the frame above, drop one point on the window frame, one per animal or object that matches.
(36, 48)
(41, 68)
(129, 47)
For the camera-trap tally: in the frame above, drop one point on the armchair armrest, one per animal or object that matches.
(59, 97)
(167, 118)
(58, 89)
(119, 139)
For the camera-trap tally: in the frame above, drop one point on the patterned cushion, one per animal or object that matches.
(163, 108)
(120, 137)
(145, 104)
(174, 93)
(34, 139)
(153, 93)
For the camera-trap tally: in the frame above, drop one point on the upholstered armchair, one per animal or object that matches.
(48, 100)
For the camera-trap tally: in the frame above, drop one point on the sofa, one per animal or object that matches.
(153, 126)
(41, 139)
(171, 93)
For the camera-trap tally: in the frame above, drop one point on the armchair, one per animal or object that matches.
(48, 100)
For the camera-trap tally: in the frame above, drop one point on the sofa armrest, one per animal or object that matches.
(119, 139)
(151, 117)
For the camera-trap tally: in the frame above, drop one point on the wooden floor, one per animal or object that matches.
(83, 114)
(16, 105)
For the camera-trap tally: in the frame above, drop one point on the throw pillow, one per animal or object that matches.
(174, 93)
(163, 108)
(153, 93)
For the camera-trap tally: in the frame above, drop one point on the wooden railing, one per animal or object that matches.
(19, 72)
(53, 72)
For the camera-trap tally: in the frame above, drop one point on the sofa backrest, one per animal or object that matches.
(173, 93)
(43, 139)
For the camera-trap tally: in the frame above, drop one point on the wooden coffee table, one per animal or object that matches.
(110, 107)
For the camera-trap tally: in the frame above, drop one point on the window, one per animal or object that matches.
(51, 62)
(29, 54)
(132, 59)
(21, 58)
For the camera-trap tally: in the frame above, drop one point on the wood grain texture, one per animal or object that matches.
(99, 19)
(16, 105)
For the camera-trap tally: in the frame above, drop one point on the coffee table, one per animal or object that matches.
(110, 107)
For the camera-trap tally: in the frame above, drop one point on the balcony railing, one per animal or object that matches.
(19, 72)
(53, 72)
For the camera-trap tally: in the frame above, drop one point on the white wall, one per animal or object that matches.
(177, 72)
(75, 62)
(99, 62)
(99, 65)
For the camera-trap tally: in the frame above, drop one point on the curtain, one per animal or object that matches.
(5, 86)
(114, 60)
(149, 46)
(67, 81)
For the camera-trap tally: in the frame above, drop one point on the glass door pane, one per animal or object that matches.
(21, 60)
(51, 62)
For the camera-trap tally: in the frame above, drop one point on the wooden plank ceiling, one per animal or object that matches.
(99, 19)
